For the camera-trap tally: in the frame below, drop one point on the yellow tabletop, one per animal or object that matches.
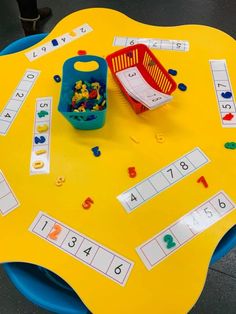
(191, 121)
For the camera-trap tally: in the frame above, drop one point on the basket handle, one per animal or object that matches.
(69, 65)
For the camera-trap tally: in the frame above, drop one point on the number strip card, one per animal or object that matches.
(58, 42)
(163, 179)
(183, 230)
(224, 93)
(136, 86)
(40, 155)
(8, 200)
(161, 44)
(86, 250)
(15, 103)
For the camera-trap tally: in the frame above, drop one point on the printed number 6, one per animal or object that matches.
(117, 270)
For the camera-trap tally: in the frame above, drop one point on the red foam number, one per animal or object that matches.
(203, 181)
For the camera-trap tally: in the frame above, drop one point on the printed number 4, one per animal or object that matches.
(87, 251)
(133, 197)
(7, 115)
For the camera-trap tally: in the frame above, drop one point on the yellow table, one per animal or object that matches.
(191, 120)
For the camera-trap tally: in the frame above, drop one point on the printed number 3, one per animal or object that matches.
(170, 241)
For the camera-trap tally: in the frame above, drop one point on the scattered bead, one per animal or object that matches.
(228, 116)
(38, 164)
(82, 52)
(172, 72)
(230, 145)
(182, 87)
(226, 94)
(87, 203)
(132, 172)
(203, 181)
(160, 138)
(54, 42)
(96, 151)
(57, 78)
(42, 128)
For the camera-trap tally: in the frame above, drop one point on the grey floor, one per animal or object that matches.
(219, 294)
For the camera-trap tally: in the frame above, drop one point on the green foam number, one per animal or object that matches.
(170, 241)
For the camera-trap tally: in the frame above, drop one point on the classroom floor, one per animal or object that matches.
(219, 294)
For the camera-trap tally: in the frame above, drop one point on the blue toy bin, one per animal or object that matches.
(88, 120)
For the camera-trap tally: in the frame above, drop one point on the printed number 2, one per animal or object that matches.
(169, 241)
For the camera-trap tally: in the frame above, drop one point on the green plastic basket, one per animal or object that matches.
(88, 120)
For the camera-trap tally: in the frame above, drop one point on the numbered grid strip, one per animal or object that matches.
(17, 99)
(138, 88)
(40, 154)
(88, 251)
(8, 200)
(58, 42)
(163, 179)
(222, 86)
(183, 230)
(161, 44)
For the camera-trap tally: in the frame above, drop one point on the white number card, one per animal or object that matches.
(185, 229)
(136, 86)
(84, 249)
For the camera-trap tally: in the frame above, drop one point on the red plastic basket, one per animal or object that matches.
(151, 69)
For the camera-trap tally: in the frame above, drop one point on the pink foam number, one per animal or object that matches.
(203, 181)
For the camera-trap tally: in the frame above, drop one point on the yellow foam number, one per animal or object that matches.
(42, 128)
(38, 164)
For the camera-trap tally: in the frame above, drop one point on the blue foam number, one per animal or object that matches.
(226, 95)
(40, 139)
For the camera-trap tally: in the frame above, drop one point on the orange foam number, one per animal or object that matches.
(87, 203)
(57, 229)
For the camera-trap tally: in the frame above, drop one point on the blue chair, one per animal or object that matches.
(227, 243)
(45, 288)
